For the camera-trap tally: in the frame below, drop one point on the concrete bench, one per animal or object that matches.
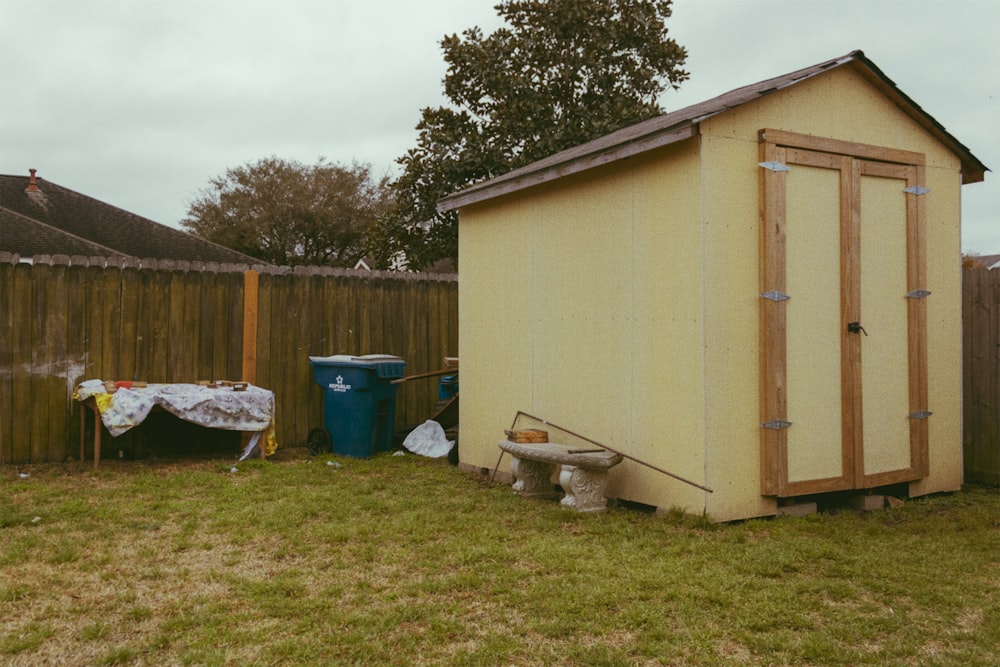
(583, 475)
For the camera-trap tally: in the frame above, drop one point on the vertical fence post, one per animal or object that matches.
(250, 282)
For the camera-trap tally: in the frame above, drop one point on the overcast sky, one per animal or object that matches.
(140, 103)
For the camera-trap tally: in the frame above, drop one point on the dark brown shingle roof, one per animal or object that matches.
(981, 261)
(28, 237)
(683, 124)
(55, 220)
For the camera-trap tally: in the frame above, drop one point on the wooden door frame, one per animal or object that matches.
(778, 150)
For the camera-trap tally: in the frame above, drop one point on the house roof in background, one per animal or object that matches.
(683, 124)
(40, 217)
(981, 261)
(29, 237)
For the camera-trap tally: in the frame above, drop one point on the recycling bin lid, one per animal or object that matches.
(368, 360)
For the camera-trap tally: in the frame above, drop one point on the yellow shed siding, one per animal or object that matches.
(730, 268)
(495, 332)
(668, 375)
(592, 290)
(944, 324)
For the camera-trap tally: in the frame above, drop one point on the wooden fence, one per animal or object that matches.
(981, 373)
(64, 320)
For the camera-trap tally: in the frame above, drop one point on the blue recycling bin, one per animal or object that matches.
(447, 387)
(359, 401)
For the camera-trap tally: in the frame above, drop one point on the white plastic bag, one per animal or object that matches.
(429, 440)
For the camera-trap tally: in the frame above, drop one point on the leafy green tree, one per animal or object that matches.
(558, 74)
(288, 213)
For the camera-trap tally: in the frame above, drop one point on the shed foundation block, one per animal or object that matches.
(798, 509)
(867, 503)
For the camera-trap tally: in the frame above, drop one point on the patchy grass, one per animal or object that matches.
(407, 561)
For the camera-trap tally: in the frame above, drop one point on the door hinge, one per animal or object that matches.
(921, 414)
(918, 294)
(774, 166)
(776, 424)
(776, 296)
(917, 190)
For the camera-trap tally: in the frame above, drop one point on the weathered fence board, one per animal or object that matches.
(6, 355)
(264, 314)
(66, 320)
(21, 365)
(50, 351)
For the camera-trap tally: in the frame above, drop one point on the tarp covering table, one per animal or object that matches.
(222, 407)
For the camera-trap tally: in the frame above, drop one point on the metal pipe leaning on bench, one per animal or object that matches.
(521, 413)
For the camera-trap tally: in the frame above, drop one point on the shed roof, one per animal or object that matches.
(683, 124)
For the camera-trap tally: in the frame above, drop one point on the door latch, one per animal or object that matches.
(855, 327)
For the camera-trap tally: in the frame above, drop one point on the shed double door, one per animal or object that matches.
(843, 316)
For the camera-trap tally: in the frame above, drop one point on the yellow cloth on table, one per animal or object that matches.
(103, 402)
(271, 443)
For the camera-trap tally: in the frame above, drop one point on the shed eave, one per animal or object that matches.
(973, 170)
(545, 171)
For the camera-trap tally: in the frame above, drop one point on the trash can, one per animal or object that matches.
(447, 387)
(359, 401)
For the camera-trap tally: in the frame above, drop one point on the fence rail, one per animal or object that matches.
(64, 320)
(981, 374)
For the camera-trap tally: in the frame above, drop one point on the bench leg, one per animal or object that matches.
(584, 488)
(532, 479)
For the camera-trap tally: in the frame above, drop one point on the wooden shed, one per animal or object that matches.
(760, 293)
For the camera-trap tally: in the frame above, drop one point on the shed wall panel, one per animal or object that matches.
(668, 373)
(494, 324)
(944, 331)
(730, 271)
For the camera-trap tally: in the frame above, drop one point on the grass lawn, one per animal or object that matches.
(400, 560)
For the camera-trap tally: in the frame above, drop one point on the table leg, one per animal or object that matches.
(83, 428)
(97, 438)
